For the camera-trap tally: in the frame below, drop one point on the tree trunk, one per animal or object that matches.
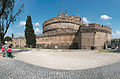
(2, 39)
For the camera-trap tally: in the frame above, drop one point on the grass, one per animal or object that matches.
(107, 51)
(19, 48)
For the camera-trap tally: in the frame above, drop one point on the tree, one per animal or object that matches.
(7, 38)
(7, 16)
(29, 33)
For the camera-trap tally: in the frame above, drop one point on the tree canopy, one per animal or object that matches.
(7, 16)
(7, 38)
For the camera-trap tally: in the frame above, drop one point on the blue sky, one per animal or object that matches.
(104, 12)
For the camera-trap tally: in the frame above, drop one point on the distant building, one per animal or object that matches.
(68, 32)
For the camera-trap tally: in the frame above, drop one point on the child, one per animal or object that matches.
(9, 52)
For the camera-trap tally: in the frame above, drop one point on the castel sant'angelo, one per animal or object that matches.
(68, 32)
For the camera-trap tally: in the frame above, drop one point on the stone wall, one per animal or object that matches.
(101, 39)
(59, 41)
(72, 19)
(87, 40)
(94, 35)
(60, 23)
(60, 28)
(96, 39)
(62, 41)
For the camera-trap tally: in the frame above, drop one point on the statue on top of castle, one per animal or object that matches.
(63, 14)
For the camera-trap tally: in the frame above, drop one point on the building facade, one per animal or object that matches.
(68, 32)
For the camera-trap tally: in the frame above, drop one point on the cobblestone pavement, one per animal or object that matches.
(14, 69)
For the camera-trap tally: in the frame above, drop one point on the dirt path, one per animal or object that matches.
(67, 60)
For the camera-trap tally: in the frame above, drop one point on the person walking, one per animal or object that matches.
(6, 50)
(3, 52)
(10, 52)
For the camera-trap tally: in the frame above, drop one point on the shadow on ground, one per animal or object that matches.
(20, 50)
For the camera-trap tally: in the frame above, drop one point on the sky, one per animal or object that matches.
(104, 12)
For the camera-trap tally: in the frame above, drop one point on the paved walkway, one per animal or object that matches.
(18, 69)
(14, 69)
(68, 59)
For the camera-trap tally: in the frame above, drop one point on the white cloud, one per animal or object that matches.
(85, 20)
(108, 23)
(105, 17)
(22, 23)
(37, 24)
(37, 30)
(116, 34)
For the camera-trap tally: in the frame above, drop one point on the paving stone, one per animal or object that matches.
(14, 69)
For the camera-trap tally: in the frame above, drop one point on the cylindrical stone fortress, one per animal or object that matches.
(62, 24)
(64, 32)
(61, 31)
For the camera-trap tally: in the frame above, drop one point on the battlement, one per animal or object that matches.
(96, 27)
(75, 16)
(60, 18)
(65, 15)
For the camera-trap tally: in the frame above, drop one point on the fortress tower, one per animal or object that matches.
(61, 31)
(68, 32)
(95, 35)
(62, 24)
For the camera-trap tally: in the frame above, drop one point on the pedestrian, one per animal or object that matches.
(6, 50)
(3, 51)
(10, 52)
